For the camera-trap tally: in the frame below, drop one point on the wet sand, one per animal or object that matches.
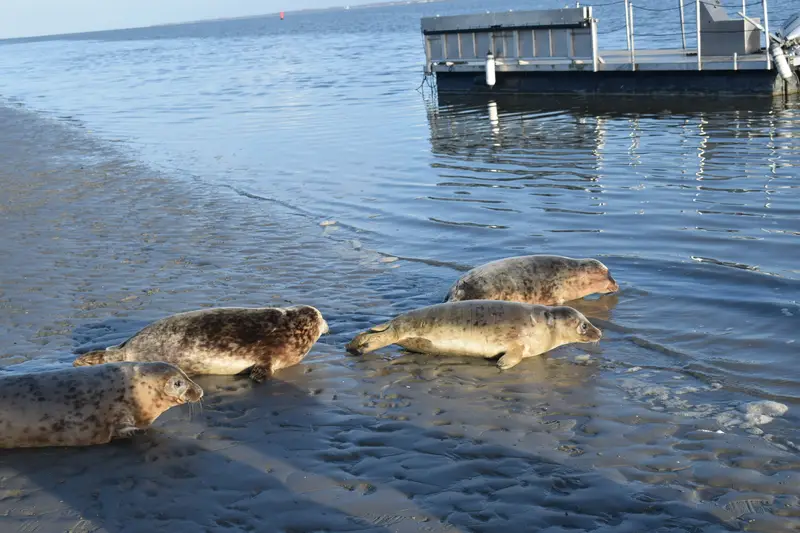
(95, 246)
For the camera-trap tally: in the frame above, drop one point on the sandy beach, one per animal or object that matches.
(95, 246)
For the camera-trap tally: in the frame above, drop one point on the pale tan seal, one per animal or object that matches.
(223, 340)
(534, 279)
(480, 328)
(86, 406)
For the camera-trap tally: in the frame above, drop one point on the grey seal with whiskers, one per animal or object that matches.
(88, 406)
(224, 340)
(480, 328)
(534, 279)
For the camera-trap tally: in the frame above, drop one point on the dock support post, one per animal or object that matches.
(593, 22)
(627, 25)
(633, 41)
(766, 33)
(683, 29)
(697, 21)
(735, 61)
(744, 6)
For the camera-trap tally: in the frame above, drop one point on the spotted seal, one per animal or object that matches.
(480, 328)
(86, 406)
(223, 340)
(534, 279)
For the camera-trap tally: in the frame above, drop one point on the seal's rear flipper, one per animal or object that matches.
(456, 292)
(97, 357)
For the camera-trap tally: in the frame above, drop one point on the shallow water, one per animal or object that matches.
(156, 170)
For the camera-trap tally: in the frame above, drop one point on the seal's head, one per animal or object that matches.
(598, 278)
(370, 340)
(572, 326)
(169, 383)
(309, 319)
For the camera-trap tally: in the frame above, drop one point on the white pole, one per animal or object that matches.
(697, 21)
(633, 42)
(766, 33)
(627, 25)
(593, 22)
(683, 29)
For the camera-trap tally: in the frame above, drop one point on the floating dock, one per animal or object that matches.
(556, 52)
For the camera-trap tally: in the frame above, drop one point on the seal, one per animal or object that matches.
(87, 406)
(534, 279)
(222, 340)
(480, 328)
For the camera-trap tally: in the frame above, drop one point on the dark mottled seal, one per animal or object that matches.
(223, 340)
(85, 406)
(480, 328)
(534, 279)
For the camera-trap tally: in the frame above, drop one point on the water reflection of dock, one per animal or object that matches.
(517, 121)
(546, 145)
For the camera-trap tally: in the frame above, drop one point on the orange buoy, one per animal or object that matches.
(281, 15)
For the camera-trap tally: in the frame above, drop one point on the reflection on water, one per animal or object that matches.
(710, 164)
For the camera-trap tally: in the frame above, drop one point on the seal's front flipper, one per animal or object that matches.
(129, 432)
(260, 373)
(125, 428)
(512, 357)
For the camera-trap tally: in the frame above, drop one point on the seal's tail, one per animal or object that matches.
(97, 357)
(455, 294)
(373, 339)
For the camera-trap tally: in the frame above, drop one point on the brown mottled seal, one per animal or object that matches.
(534, 279)
(223, 340)
(480, 328)
(85, 406)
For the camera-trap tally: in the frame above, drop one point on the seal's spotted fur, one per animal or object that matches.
(480, 328)
(85, 406)
(225, 340)
(534, 279)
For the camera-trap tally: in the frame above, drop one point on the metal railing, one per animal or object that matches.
(631, 40)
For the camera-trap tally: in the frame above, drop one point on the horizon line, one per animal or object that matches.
(346, 7)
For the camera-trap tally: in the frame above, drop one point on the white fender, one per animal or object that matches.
(490, 77)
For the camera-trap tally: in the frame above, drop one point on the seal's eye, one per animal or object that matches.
(178, 383)
(584, 327)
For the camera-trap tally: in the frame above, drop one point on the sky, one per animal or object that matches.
(29, 18)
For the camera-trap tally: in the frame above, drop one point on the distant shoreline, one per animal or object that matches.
(372, 5)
